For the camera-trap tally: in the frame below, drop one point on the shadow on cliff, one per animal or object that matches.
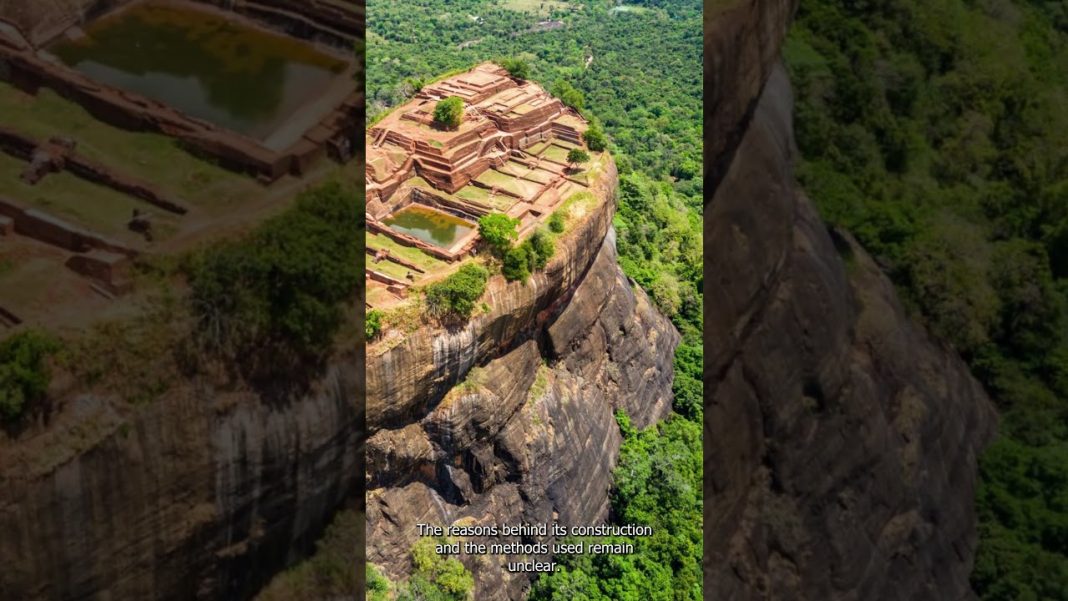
(841, 439)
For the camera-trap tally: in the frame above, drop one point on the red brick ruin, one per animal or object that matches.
(28, 27)
(495, 161)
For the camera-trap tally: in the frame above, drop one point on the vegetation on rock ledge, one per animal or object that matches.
(24, 374)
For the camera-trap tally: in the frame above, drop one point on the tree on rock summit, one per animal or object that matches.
(449, 112)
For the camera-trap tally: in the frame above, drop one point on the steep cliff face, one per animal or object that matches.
(200, 495)
(840, 438)
(743, 39)
(511, 419)
(404, 381)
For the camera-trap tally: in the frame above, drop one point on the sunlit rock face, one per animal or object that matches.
(509, 418)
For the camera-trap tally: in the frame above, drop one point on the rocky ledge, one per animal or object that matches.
(530, 435)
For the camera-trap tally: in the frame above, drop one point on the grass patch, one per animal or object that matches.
(473, 193)
(540, 385)
(391, 269)
(73, 199)
(576, 207)
(147, 156)
(540, 176)
(555, 152)
(538, 147)
(508, 183)
(407, 253)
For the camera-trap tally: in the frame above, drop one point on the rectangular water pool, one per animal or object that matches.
(204, 63)
(430, 226)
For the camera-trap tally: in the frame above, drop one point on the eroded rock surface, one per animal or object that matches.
(200, 495)
(404, 381)
(840, 438)
(530, 435)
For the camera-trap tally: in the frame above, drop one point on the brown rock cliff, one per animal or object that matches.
(510, 418)
(840, 438)
(199, 495)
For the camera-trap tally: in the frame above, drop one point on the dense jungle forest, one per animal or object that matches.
(636, 70)
(936, 132)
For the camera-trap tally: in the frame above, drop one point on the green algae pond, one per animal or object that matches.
(430, 226)
(205, 63)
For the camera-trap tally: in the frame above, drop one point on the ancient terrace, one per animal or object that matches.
(427, 185)
(150, 127)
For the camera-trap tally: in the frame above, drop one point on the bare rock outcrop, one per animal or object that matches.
(840, 439)
(199, 495)
(407, 379)
(530, 435)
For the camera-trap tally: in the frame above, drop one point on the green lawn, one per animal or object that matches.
(408, 253)
(539, 175)
(506, 182)
(151, 157)
(96, 208)
(391, 269)
(537, 148)
(473, 194)
(556, 153)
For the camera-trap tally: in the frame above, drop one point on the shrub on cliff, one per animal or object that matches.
(516, 67)
(449, 112)
(541, 248)
(455, 296)
(279, 293)
(556, 222)
(498, 230)
(24, 373)
(373, 323)
(595, 138)
(378, 586)
(517, 263)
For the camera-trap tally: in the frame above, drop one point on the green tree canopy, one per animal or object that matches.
(517, 263)
(542, 248)
(373, 323)
(449, 112)
(595, 137)
(279, 293)
(498, 230)
(455, 296)
(567, 94)
(516, 67)
(576, 156)
(24, 374)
